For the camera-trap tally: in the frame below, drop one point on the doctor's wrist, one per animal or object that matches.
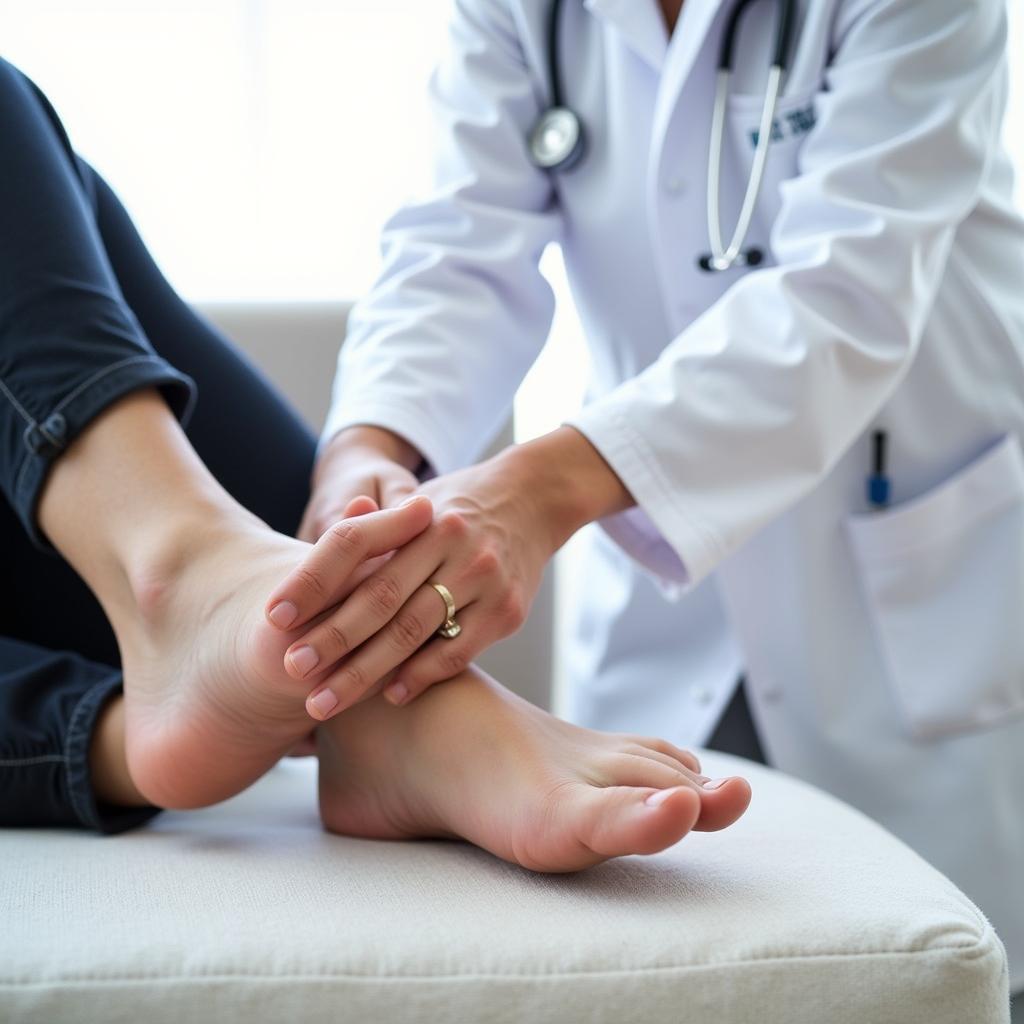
(371, 440)
(570, 482)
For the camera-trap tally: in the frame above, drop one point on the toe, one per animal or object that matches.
(645, 770)
(618, 820)
(684, 757)
(722, 805)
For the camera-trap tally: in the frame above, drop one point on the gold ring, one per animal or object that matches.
(451, 629)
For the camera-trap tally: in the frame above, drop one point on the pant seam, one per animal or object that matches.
(80, 407)
(84, 703)
(20, 479)
(23, 762)
(17, 405)
(95, 378)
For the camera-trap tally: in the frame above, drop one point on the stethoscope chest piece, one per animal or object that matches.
(556, 142)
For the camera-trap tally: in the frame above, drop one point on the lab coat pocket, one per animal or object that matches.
(944, 578)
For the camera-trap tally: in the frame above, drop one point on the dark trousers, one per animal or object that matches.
(86, 317)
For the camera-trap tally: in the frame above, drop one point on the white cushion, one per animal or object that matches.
(804, 911)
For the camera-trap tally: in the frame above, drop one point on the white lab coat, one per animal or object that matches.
(884, 650)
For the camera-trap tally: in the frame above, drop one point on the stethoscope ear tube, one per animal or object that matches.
(783, 34)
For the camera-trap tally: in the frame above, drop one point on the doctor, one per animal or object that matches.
(803, 436)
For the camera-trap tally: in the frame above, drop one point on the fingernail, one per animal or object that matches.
(658, 798)
(304, 659)
(396, 693)
(323, 703)
(283, 614)
(715, 783)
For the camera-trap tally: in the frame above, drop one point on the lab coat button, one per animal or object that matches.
(700, 694)
(675, 186)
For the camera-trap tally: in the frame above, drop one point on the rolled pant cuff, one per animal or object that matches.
(47, 439)
(101, 817)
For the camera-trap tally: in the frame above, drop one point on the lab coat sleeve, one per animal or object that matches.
(437, 348)
(747, 410)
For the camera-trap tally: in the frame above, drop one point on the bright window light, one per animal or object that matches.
(259, 144)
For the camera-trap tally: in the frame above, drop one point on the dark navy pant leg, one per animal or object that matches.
(49, 703)
(59, 661)
(69, 344)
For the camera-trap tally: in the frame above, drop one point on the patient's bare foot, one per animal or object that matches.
(209, 706)
(182, 572)
(471, 760)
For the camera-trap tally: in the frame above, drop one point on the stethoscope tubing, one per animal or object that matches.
(724, 257)
(721, 257)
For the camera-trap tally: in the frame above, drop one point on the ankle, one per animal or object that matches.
(157, 559)
(130, 498)
(108, 764)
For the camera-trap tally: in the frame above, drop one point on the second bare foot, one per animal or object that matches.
(471, 760)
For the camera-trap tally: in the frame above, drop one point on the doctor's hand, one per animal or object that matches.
(360, 461)
(495, 527)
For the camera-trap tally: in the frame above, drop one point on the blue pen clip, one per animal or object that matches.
(878, 482)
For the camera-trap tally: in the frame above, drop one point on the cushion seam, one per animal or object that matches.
(535, 976)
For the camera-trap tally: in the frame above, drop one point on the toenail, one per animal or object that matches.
(304, 659)
(658, 798)
(323, 703)
(715, 783)
(283, 614)
(396, 693)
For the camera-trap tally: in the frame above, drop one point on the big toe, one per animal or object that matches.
(721, 806)
(619, 820)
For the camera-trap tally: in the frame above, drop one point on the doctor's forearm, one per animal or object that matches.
(570, 481)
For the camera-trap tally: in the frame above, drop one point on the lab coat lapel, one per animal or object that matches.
(640, 24)
(685, 48)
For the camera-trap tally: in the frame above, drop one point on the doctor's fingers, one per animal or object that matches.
(384, 597)
(358, 676)
(443, 658)
(380, 602)
(321, 512)
(320, 580)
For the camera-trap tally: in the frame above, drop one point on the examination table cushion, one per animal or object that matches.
(804, 911)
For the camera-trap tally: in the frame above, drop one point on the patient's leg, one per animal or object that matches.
(473, 761)
(182, 572)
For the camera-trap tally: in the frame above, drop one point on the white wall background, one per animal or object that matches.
(260, 143)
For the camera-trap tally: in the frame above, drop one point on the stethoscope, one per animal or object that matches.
(557, 141)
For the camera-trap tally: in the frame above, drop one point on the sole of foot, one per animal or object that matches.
(208, 704)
